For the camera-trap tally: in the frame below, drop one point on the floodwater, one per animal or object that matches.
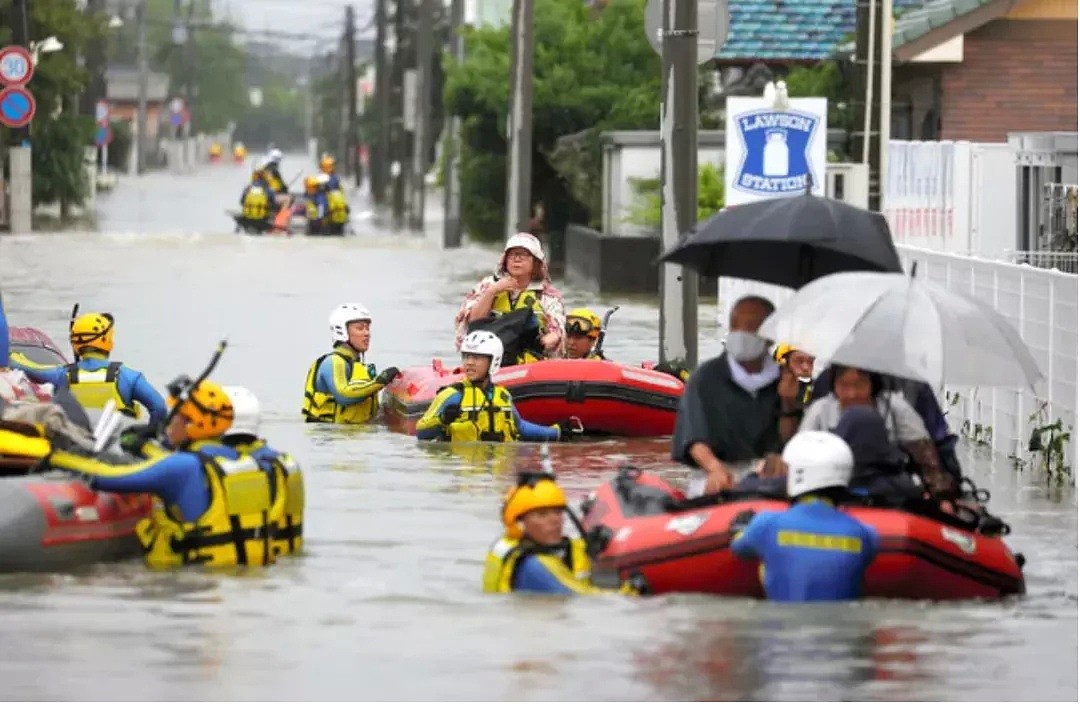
(386, 603)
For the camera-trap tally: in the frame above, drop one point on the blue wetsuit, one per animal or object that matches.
(810, 552)
(131, 385)
(534, 575)
(5, 339)
(177, 479)
(333, 183)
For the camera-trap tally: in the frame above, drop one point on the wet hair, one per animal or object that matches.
(877, 382)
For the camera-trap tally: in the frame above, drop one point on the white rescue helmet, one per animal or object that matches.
(527, 241)
(484, 343)
(817, 460)
(344, 314)
(245, 411)
(275, 156)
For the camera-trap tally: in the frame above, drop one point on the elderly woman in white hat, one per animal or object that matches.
(521, 281)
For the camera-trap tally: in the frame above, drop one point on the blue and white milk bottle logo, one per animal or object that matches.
(776, 161)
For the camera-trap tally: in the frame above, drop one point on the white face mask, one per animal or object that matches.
(745, 346)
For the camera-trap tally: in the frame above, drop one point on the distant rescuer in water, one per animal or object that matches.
(737, 407)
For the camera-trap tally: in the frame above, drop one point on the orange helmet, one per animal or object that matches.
(93, 331)
(206, 408)
(311, 184)
(327, 164)
(533, 491)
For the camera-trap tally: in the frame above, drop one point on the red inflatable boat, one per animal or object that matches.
(686, 550)
(609, 398)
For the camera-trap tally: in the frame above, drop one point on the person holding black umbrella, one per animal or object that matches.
(737, 408)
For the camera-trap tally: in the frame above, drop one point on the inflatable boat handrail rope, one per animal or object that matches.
(182, 386)
(599, 349)
(31, 431)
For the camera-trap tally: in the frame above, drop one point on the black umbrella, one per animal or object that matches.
(788, 241)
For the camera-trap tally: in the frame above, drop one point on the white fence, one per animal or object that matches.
(1041, 304)
(958, 197)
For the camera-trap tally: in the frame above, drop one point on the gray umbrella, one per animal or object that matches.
(788, 241)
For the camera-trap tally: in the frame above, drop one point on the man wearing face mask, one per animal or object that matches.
(737, 407)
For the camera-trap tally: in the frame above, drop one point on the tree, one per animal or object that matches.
(593, 72)
(58, 141)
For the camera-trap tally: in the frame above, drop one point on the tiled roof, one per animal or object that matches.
(932, 14)
(793, 30)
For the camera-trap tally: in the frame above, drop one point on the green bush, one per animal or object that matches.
(647, 207)
(57, 159)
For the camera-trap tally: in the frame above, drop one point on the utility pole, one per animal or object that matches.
(519, 122)
(144, 69)
(350, 91)
(867, 143)
(96, 61)
(380, 152)
(452, 187)
(885, 119)
(422, 47)
(397, 149)
(678, 130)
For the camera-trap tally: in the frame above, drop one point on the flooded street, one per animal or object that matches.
(386, 602)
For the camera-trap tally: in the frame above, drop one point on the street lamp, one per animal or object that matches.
(46, 46)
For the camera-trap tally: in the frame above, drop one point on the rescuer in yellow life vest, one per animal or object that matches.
(242, 439)
(476, 409)
(93, 380)
(239, 152)
(216, 510)
(339, 387)
(215, 152)
(582, 332)
(800, 364)
(256, 203)
(337, 207)
(533, 555)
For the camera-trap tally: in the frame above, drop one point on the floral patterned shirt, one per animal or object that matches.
(551, 301)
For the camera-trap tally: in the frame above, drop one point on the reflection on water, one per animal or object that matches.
(386, 601)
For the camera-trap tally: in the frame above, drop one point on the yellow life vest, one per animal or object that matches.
(256, 203)
(484, 417)
(502, 304)
(312, 209)
(338, 206)
(276, 184)
(505, 555)
(287, 510)
(94, 389)
(321, 407)
(234, 529)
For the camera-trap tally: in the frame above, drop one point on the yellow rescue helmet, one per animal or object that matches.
(327, 163)
(93, 331)
(782, 351)
(582, 321)
(533, 491)
(206, 408)
(311, 183)
(215, 149)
